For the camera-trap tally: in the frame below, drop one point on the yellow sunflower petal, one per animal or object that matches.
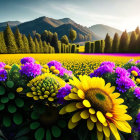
(76, 117)
(71, 107)
(105, 124)
(109, 114)
(79, 105)
(119, 101)
(81, 94)
(90, 124)
(73, 96)
(51, 99)
(86, 103)
(115, 95)
(99, 126)
(99, 135)
(84, 114)
(114, 131)
(101, 117)
(106, 131)
(67, 97)
(107, 138)
(71, 125)
(63, 111)
(93, 118)
(29, 94)
(91, 111)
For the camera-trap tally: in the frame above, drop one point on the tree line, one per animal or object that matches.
(126, 43)
(47, 42)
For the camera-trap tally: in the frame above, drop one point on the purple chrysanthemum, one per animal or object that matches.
(27, 60)
(3, 74)
(138, 61)
(54, 63)
(122, 72)
(134, 68)
(108, 63)
(138, 122)
(102, 70)
(2, 65)
(124, 84)
(64, 91)
(137, 92)
(31, 69)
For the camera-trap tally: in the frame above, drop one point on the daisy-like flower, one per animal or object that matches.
(3, 74)
(122, 72)
(108, 63)
(134, 68)
(137, 92)
(95, 102)
(138, 61)
(2, 65)
(27, 60)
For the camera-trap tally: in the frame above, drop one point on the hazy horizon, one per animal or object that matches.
(118, 14)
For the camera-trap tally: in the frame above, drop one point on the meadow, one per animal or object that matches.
(78, 63)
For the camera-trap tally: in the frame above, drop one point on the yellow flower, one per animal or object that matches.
(7, 67)
(20, 89)
(56, 71)
(138, 80)
(52, 68)
(95, 102)
(43, 70)
(134, 73)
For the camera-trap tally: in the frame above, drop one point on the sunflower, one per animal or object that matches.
(95, 102)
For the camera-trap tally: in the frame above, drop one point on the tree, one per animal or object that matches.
(31, 44)
(92, 47)
(3, 48)
(45, 47)
(65, 40)
(98, 46)
(132, 44)
(137, 30)
(87, 47)
(10, 40)
(138, 44)
(41, 46)
(19, 41)
(115, 45)
(37, 45)
(72, 35)
(44, 35)
(26, 44)
(54, 42)
(108, 44)
(124, 42)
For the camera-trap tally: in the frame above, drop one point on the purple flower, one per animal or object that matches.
(102, 70)
(3, 74)
(124, 84)
(2, 65)
(122, 72)
(138, 61)
(54, 63)
(137, 92)
(138, 122)
(27, 60)
(108, 63)
(131, 60)
(133, 68)
(64, 91)
(31, 69)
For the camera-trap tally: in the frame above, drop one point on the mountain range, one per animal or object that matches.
(62, 27)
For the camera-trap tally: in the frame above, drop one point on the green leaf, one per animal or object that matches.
(10, 84)
(2, 90)
(4, 100)
(56, 131)
(22, 132)
(17, 119)
(19, 102)
(11, 95)
(12, 109)
(34, 125)
(2, 106)
(6, 121)
(34, 115)
(39, 134)
(62, 123)
(48, 135)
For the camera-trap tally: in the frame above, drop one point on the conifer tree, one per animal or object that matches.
(137, 30)
(31, 44)
(41, 46)
(115, 45)
(26, 44)
(19, 41)
(54, 42)
(44, 35)
(37, 45)
(65, 40)
(138, 44)
(132, 44)
(10, 40)
(72, 35)
(124, 42)
(108, 44)
(3, 48)
(45, 47)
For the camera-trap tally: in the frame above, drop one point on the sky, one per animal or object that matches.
(121, 14)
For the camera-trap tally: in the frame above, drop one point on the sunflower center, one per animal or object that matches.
(49, 117)
(100, 100)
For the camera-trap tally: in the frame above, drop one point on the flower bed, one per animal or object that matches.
(47, 102)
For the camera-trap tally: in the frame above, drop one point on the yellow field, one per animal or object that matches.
(79, 64)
